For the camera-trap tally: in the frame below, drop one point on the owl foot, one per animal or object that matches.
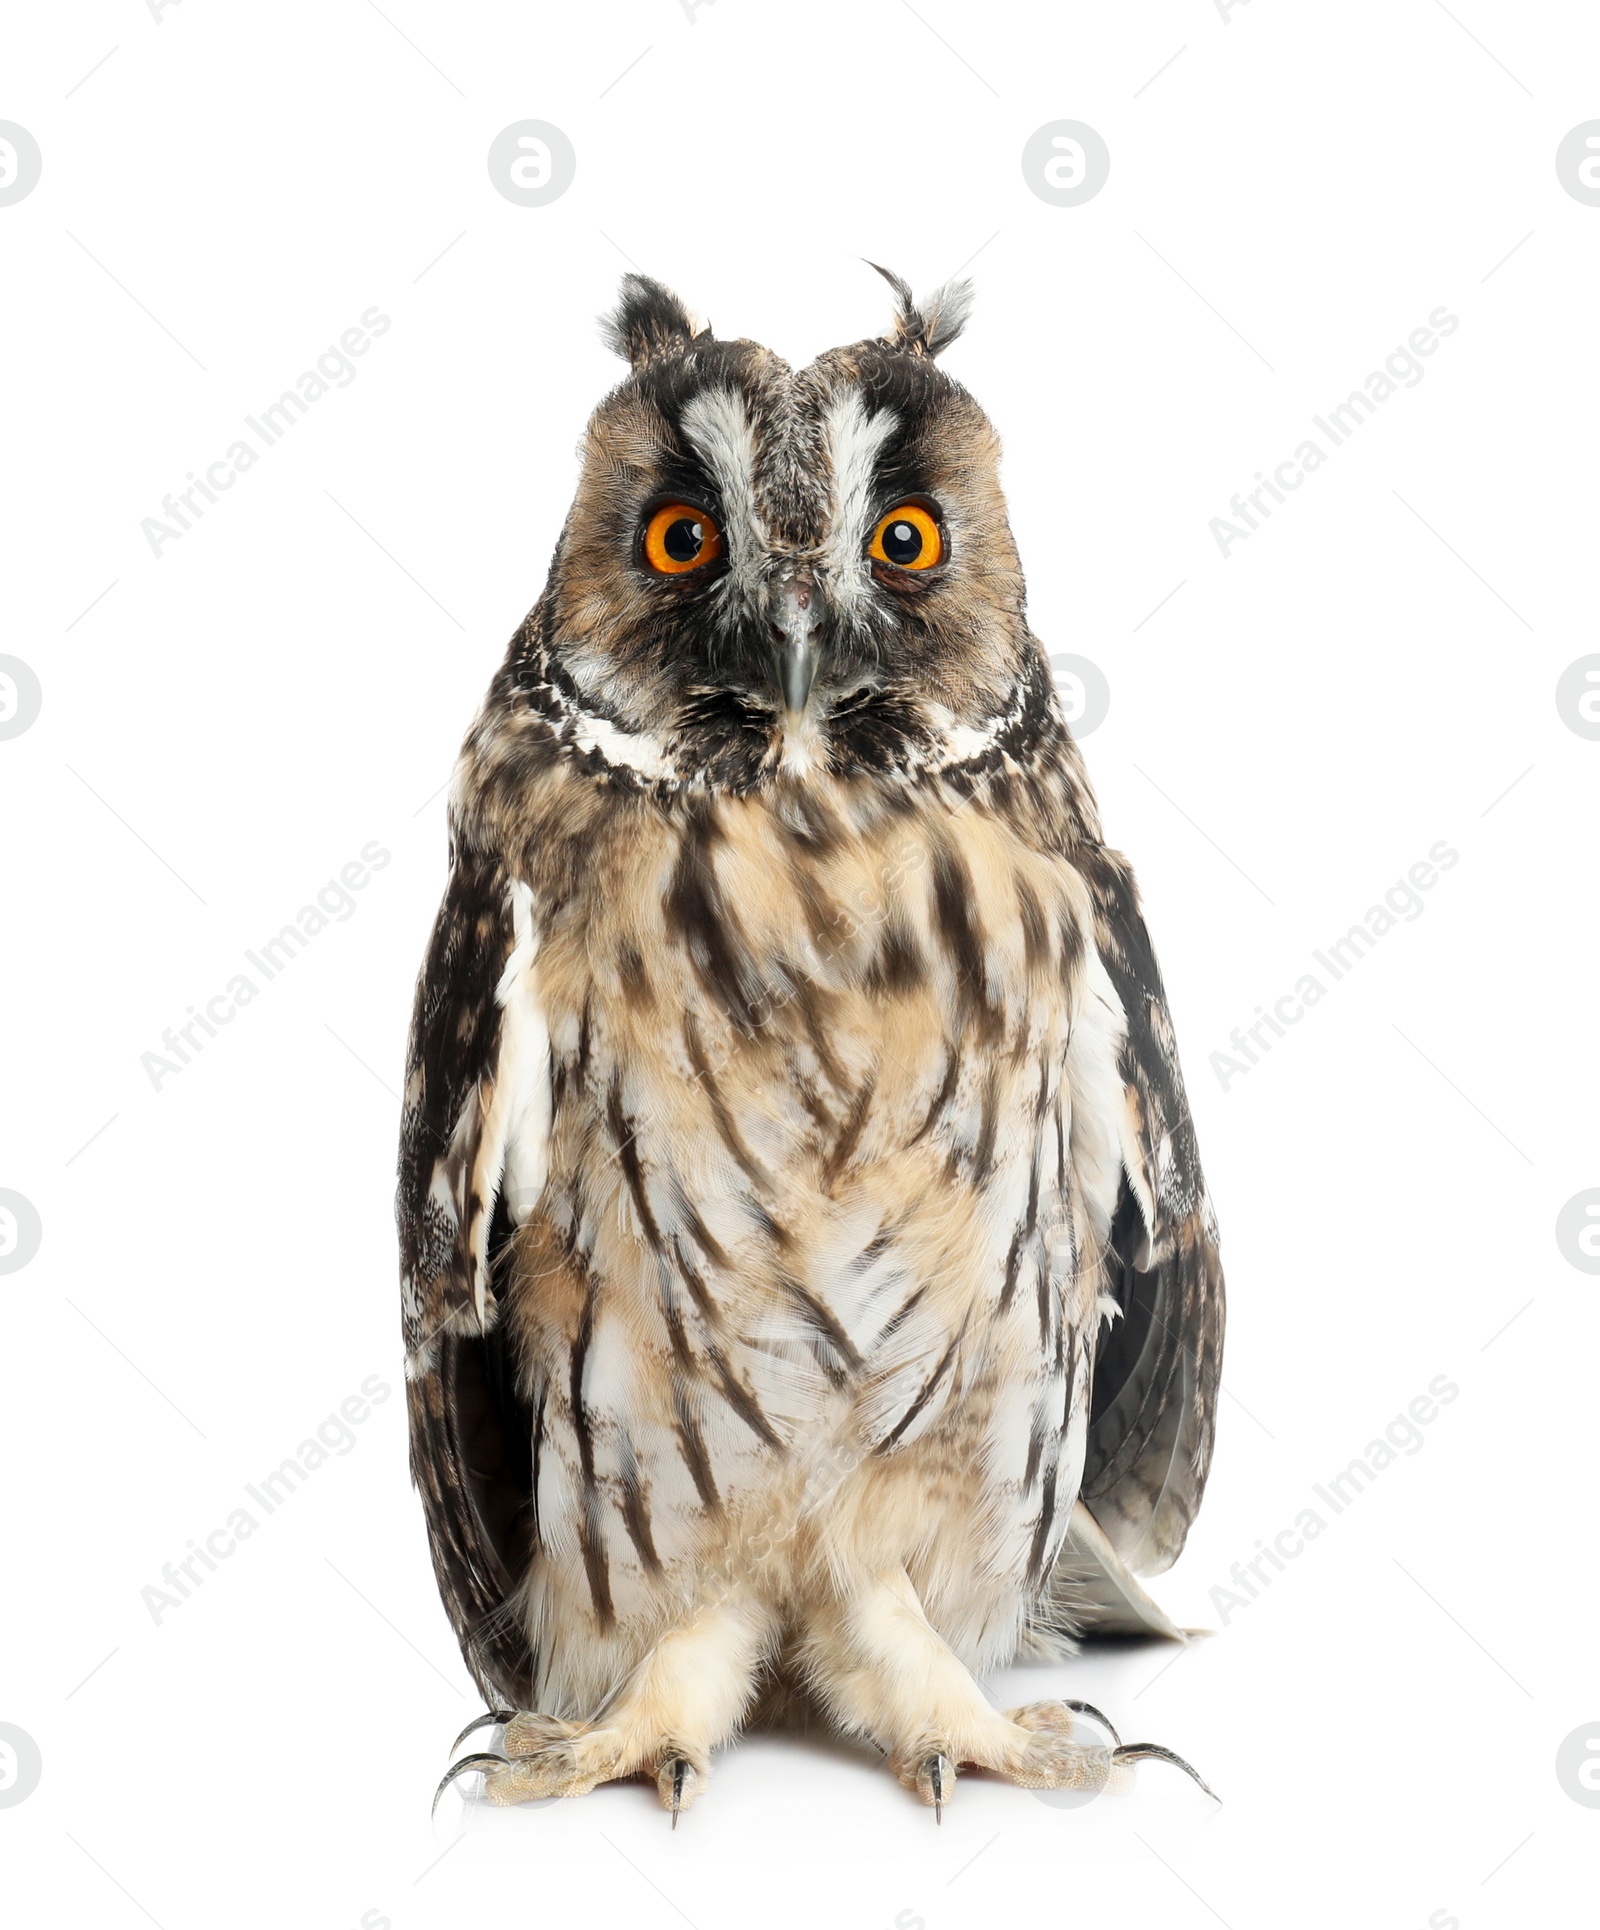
(1037, 1747)
(545, 1756)
(884, 1673)
(681, 1701)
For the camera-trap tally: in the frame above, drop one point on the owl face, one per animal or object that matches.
(770, 570)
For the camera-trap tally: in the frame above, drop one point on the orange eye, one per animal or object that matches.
(679, 538)
(908, 537)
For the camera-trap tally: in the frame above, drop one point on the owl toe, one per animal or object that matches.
(679, 1779)
(555, 1770)
(1050, 1758)
(527, 1734)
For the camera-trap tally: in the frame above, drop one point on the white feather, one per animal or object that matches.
(718, 425)
(854, 439)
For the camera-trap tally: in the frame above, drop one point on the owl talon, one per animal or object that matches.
(936, 1782)
(1155, 1752)
(1088, 1709)
(677, 1784)
(488, 1720)
(483, 1762)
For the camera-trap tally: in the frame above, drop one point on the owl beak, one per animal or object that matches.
(795, 616)
(799, 668)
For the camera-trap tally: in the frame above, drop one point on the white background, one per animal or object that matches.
(1291, 195)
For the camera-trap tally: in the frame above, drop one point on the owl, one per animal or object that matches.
(810, 1292)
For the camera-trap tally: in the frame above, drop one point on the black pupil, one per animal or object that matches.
(902, 542)
(683, 539)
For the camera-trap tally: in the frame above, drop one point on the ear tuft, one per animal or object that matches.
(650, 322)
(930, 326)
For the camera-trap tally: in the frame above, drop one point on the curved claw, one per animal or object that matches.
(678, 1768)
(493, 1718)
(1088, 1709)
(1154, 1752)
(935, 1780)
(678, 1781)
(484, 1762)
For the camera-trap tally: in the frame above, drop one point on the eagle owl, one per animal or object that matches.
(810, 1290)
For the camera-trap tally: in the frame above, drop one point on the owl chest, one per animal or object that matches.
(824, 1176)
(769, 1032)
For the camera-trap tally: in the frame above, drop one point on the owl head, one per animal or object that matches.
(771, 571)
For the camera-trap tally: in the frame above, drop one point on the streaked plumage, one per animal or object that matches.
(808, 1276)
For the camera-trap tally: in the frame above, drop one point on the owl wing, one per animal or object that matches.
(472, 1155)
(1153, 1407)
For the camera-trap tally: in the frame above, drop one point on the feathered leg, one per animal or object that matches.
(883, 1671)
(679, 1704)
